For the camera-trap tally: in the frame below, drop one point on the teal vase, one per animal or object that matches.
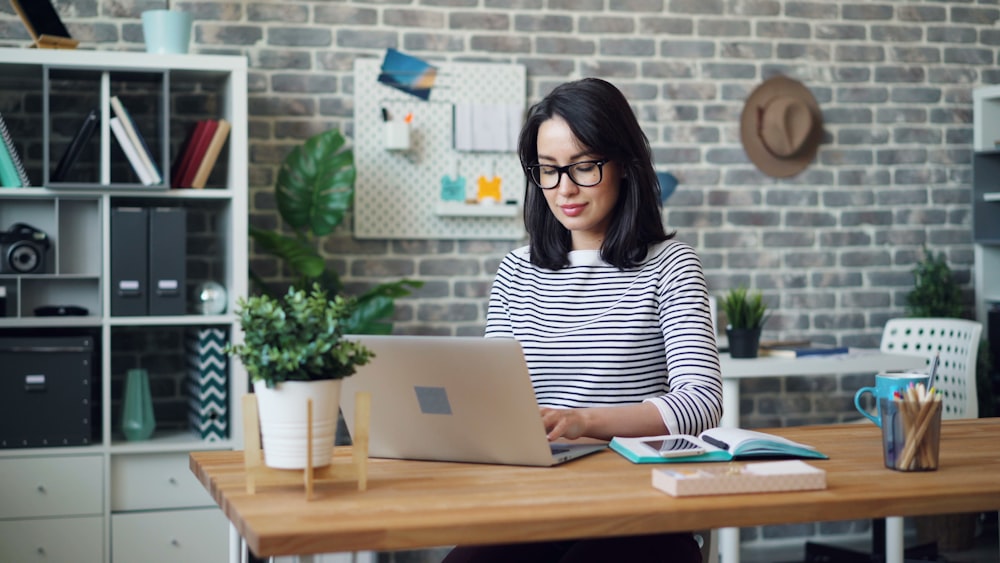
(138, 421)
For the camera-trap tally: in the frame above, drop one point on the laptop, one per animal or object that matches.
(465, 399)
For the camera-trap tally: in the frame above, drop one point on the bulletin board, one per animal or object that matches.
(398, 193)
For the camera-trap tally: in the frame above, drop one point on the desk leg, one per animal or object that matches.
(729, 538)
(894, 539)
(236, 547)
(730, 403)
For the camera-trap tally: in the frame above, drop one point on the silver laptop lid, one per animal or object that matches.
(449, 399)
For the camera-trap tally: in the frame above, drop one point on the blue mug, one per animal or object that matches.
(885, 385)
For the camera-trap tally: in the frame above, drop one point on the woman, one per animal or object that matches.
(611, 312)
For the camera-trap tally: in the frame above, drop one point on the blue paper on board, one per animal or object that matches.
(408, 74)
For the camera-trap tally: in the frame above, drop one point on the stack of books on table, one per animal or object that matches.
(799, 349)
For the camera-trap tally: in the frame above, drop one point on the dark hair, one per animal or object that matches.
(602, 120)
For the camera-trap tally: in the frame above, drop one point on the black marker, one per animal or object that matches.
(716, 442)
(385, 114)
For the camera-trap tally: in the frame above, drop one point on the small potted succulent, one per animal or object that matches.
(294, 349)
(746, 313)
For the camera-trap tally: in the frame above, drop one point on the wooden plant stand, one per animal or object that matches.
(355, 468)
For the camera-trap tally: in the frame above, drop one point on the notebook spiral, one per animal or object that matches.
(15, 158)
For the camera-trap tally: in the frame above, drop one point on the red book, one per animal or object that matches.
(183, 157)
(195, 152)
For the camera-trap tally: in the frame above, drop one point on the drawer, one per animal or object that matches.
(51, 486)
(154, 481)
(170, 536)
(80, 540)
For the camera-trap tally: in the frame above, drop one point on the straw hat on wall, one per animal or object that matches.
(781, 127)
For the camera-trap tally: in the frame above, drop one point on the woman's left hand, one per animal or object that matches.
(569, 424)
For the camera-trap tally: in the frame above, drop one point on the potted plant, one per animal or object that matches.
(314, 192)
(294, 349)
(746, 313)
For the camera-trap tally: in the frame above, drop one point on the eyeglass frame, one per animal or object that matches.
(560, 170)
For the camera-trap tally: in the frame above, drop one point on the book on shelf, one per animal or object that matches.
(183, 157)
(802, 351)
(211, 154)
(80, 140)
(714, 444)
(130, 152)
(12, 172)
(194, 153)
(760, 477)
(137, 140)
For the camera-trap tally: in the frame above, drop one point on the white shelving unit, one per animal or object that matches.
(112, 500)
(986, 198)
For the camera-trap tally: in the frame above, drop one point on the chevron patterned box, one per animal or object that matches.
(207, 384)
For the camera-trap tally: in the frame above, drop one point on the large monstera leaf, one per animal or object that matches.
(315, 186)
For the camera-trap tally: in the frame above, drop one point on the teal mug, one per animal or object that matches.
(885, 385)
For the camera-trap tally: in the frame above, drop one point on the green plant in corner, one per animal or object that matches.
(744, 309)
(299, 337)
(314, 192)
(935, 292)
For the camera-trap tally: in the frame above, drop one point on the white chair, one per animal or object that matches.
(956, 341)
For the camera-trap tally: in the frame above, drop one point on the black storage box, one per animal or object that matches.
(47, 391)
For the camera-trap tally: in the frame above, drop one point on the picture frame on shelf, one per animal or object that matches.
(43, 24)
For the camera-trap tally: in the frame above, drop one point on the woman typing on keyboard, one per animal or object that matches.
(611, 311)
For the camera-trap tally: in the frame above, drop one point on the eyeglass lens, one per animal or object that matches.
(584, 174)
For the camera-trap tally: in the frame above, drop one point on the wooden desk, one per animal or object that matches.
(412, 504)
(859, 360)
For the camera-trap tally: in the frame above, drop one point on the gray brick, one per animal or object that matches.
(896, 33)
(565, 46)
(344, 15)
(869, 12)
(638, 6)
(413, 18)
(382, 268)
(975, 16)
(304, 83)
(916, 55)
(809, 219)
(746, 50)
(449, 267)
(810, 260)
(369, 38)
(687, 49)
(478, 20)
(228, 34)
(546, 23)
(862, 95)
(299, 37)
(704, 7)
(605, 25)
(951, 35)
(810, 10)
(576, 5)
(840, 32)
(447, 312)
(803, 51)
(783, 30)
(627, 47)
(859, 53)
(433, 42)
(500, 44)
(969, 56)
(277, 13)
(786, 239)
(921, 13)
(665, 26)
(728, 28)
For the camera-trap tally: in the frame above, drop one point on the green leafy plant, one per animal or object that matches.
(314, 192)
(299, 337)
(744, 309)
(935, 292)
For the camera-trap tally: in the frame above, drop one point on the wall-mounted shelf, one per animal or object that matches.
(459, 209)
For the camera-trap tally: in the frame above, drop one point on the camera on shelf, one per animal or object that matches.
(23, 249)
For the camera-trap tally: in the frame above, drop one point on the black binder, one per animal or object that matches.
(167, 254)
(129, 248)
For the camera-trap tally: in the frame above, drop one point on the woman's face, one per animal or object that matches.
(585, 212)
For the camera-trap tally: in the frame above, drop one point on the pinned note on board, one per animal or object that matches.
(408, 74)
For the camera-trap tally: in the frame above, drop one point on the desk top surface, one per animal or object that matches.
(858, 360)
(412, 504)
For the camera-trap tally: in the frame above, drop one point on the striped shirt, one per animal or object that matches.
(596, 336)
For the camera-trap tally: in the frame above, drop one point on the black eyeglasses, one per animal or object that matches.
(585, 174)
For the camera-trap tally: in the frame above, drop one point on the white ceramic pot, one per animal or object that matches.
(283, 424)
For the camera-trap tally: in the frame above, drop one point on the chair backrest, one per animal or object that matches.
(957, 341)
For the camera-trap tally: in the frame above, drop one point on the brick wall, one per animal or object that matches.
(832, 248)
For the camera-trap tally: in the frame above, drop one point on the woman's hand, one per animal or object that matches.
(569, 424)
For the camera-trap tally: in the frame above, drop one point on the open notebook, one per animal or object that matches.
(453, 399)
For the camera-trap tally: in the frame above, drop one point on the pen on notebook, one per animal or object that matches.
(716, 442)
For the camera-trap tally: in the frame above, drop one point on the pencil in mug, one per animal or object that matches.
(919, 409)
